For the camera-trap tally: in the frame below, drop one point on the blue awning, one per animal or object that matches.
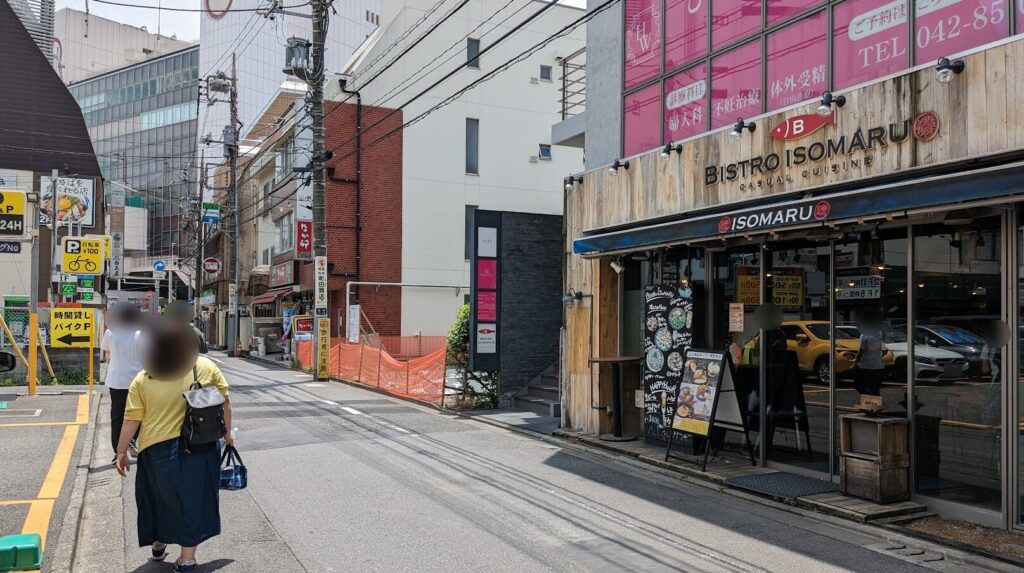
(908, 195)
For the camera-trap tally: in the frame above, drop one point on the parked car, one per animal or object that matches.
(809, 339)
(930, 363)
(7, 361)
(954, 339)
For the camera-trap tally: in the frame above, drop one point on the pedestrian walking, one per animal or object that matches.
(177, 483)
(120, 346)
(181, 311)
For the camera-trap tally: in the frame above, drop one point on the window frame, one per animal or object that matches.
(472, 146)
(473, 53)
(550, 73)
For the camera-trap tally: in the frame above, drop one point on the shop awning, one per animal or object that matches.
(897, 198)
(271, 295)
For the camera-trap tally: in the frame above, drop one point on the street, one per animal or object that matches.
(345, 479)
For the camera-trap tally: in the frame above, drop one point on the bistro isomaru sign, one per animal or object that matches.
(837, 154)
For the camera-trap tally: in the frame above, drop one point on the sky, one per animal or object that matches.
(184, 24)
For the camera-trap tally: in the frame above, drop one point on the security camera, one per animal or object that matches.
(618, 267)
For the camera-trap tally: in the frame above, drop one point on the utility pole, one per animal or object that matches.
(315, 82)
(235, 274)
(201, 239)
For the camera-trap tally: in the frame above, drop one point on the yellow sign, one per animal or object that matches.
(12, 213)
(81, 256)
(323, 341)
(748, 285)
(788, 287)
(106, 244)
(71, 327)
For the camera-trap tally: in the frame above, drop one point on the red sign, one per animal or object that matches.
(304, 240)
(211, 266)
(487, 274)
(926, 126)
(304, 324)
(282, 274)
(487, 305)
(775, 217)
(801, 125)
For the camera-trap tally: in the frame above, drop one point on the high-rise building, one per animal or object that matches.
(37, 18)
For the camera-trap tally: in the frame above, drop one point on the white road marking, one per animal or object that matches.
(303, 375)
(329, 402)
(351, 410)
(403, 430)
(313, 385)
(217, 360)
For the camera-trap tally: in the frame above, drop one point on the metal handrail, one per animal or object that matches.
(573, 98)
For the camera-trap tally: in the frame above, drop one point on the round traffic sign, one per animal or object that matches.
(159, 266)
(211, 266)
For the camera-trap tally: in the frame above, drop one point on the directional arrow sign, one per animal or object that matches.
(72, 340)
(71, 327)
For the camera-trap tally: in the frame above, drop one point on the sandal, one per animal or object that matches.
(159, 551)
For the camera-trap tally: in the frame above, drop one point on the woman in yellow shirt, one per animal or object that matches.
(175, 489)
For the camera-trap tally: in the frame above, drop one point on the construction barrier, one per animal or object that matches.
(417, 378)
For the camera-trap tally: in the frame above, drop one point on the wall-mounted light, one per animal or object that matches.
(669, 148)
(615, 166)
(571, 181)
(946, 69)
(827, 99)
(571, 298)
(737, 130)
(618, 267)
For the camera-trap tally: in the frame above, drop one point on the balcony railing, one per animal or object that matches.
(574, 84)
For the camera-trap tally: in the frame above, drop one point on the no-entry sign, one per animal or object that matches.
(211, 266)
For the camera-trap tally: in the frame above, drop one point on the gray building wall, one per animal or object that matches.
(531, 297)
(604, 86)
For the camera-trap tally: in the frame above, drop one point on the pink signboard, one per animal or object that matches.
(643, 40)
(736, 85)
(686, 111)
(686, 31)
(797, 68)
(487, 306)
(642, 118)
(734, 19)
(945, 27)
(486, 273)
(1020, 15)
(782, 9)
(869, 40)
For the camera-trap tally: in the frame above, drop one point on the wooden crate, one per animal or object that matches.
(874, 459)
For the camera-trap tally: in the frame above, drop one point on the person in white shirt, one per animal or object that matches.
(121, 346)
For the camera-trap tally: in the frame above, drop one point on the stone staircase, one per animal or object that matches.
(541, 395)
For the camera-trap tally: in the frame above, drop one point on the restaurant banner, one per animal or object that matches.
(668, 332)
(282, 274)
(485, 284)
(70, 200)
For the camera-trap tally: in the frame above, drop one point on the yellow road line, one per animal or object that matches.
(39, 424)
(17, 501)
(38, 518)
(59, 466)
(82, 416)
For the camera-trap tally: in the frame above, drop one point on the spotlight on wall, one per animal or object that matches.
(958, 217)
(946, 69)
(669, 148)
(571, 181)
(737, 130)
(571, 298)
(827, 99)
(618, 267)
(615, 166)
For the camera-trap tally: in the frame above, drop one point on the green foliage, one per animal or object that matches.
(478, 389)
(458, 337)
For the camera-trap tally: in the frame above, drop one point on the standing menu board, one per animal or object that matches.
(668, 332)
(695, 402)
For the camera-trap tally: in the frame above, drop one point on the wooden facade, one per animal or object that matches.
(980, 123)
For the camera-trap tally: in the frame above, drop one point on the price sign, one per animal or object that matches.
(81, 256)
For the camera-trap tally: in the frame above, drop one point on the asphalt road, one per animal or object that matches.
(344, 479)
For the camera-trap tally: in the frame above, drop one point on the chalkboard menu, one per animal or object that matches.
(668, 332)
(698, 390)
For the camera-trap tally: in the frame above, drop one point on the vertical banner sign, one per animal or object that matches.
(232, 298)
(323, 343)
(352, 323)
(668, 332)
(485, 288)
(117, 197)
(320, 284)
(304, 240)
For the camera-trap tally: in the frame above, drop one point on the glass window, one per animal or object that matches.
(643, 41)
(641, 116)
(942, 28)
(686, 31)
(1020, 30)
(545, 73)
(686, 104)
(736, 85)
(869, 40)
(797, 57)
(957, 286)
(472, 146)
(544, 152)
(781, 9)
(473, 53)
(734, 19)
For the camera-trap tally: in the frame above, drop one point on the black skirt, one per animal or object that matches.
(176, 493)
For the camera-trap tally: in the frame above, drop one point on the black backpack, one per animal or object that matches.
(204, 414)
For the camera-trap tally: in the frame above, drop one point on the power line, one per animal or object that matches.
(200, 10)
(405, 34)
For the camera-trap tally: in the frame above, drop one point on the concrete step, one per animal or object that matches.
(549, 379)
(537, 405)
(543, 391)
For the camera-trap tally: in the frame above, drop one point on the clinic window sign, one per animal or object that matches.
(485, 287)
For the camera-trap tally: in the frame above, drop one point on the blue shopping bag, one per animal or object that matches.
(233, 474)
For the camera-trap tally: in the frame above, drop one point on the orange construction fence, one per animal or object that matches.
(418, 378)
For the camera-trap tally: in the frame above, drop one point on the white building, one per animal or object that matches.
(259, 44)
(511, 167)
(85, 45)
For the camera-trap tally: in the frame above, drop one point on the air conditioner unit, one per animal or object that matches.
(534, 81)
(533, 159)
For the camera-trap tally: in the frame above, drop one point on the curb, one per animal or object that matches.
(63, 555)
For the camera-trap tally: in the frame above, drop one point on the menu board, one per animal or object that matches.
(668, 333)
(698, 389)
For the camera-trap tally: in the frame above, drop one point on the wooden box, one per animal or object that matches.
(874, 459)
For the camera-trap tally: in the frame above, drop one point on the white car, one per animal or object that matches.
(930, 363)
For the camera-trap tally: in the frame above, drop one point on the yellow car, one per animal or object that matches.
(809, 339)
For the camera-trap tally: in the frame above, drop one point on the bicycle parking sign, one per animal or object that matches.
(82, 256)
